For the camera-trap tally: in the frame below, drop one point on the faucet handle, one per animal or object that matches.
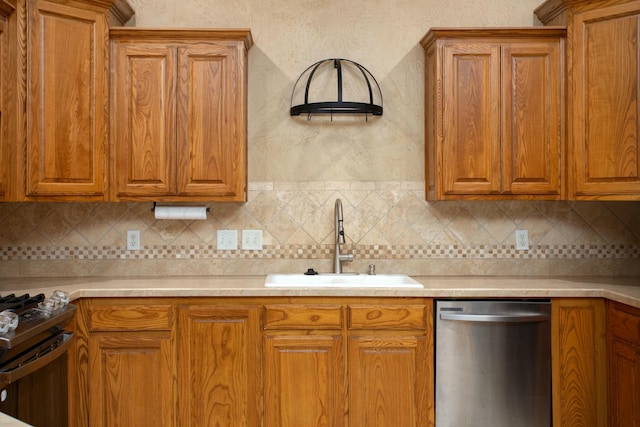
(346, 257)
(372, 269)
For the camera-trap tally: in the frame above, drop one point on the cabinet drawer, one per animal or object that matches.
(303, 316)
(624, 323)
(131, 317)
(363, 316)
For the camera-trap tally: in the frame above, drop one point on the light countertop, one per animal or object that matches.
(622, 289)
(7, 421)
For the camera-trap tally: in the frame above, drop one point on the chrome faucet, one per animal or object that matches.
(338, 258)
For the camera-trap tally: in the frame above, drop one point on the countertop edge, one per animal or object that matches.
(621, 289)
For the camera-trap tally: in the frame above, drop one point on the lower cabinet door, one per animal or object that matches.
(388, 381)
(624, 367)
(218, 366)
(623, 333)
(131, 380)
(578, 362)
(304, 380)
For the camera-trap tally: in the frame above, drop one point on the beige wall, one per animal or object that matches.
(297, 168)
(382, 35)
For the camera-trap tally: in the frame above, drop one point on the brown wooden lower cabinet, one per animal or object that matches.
(624, 365)
(130, 377)
(304, 380)
(310, 361)
(578, 362)
(218, 365)
(378, 375)
(388, 377)
(131, 380)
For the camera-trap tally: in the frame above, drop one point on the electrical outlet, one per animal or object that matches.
(227, 240)
(252, 240)
(522, 240)
(133, 240)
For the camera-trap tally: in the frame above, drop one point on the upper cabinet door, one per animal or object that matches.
(604, 148)
(531, 118)
(143, 129)
(5, 11)
(66, 101)
(211, 125)
(471, 136)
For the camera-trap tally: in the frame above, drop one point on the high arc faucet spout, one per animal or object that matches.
(338, 257)
(339, 226)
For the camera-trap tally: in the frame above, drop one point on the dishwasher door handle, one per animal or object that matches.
(496, 318)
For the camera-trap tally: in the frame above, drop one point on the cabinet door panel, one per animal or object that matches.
(471, 145)
(4, 99)
(210, 122)
(218, 368)
(531, 116)
(606, 117)
(578, 360)
(388, 381)
(131, 380)
(143, 129)
(624, 368)
(66, 101)
(623, 332)
(304, 381)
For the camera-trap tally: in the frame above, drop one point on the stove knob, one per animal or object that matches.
(62, 296)
(4, 324)
(57, 302)
(11, 318)
(47, 305)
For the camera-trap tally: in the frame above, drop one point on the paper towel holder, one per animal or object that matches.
(153, 208)
(177, 212)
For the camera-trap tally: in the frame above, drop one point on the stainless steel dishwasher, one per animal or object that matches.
(493, 363)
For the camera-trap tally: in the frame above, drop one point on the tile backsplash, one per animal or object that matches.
(298, 167)
(386, 223)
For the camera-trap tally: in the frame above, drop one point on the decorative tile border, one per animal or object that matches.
(39, 253)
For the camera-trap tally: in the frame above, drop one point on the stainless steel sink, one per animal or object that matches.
(341, 281)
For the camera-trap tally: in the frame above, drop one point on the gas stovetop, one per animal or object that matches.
(12, 302)
(24, 317)
(32, 333)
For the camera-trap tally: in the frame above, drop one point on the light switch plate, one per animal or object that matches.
(227, 240)
(252, 240)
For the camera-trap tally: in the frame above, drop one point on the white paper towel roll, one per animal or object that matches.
(181, 212)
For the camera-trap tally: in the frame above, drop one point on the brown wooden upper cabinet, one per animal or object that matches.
(6, 11)
(493, 110)
(178, 114)
(602, 95)
(63, 47)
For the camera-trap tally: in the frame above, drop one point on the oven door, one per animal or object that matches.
(34, 389)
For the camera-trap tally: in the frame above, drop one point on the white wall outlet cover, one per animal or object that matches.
(227, 240)
(522, 240)
(252, 240)
(133, 240)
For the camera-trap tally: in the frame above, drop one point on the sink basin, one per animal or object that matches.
(341, 281)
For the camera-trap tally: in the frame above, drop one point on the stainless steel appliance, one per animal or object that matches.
(33, 362)
(493, 363)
